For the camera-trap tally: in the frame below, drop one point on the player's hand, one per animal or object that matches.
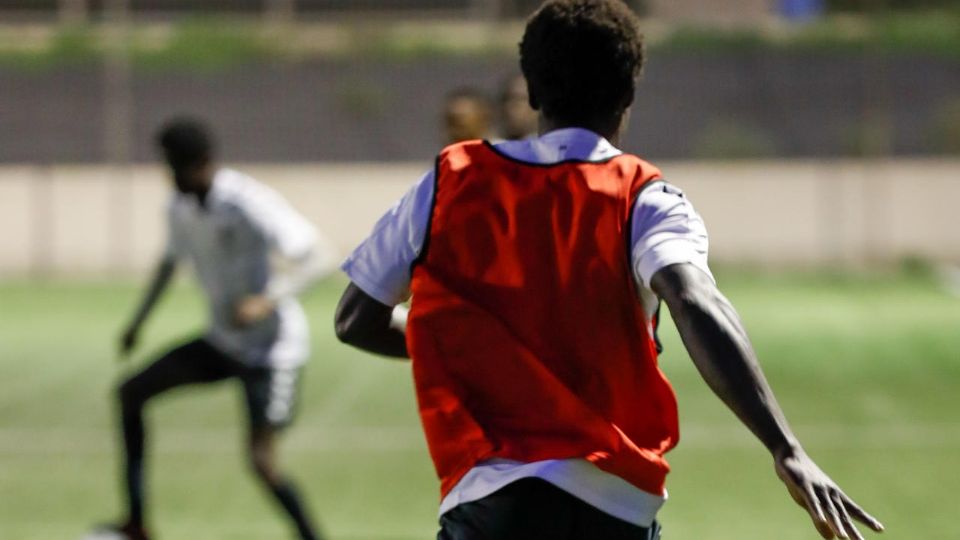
(253, 309)
(128, 341)
(833, 513)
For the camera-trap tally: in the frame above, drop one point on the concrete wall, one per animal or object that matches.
(91, 220)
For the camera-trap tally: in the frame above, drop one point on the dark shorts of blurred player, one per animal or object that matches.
(270, 393)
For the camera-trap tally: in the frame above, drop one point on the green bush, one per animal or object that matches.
(873, 5)
(935, 33)
(207, 44)
(70, 45)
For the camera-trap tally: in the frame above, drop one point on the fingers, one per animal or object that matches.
(812, 504)
(845, 516)
(802, 492)
(860, 514)
(833, 513)
(247, 313)
(836, 521)
(830, 509)
(241, 317)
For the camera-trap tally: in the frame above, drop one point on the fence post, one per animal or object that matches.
(118, 132)
(877, 143)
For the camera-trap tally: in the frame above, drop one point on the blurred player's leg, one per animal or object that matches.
(191, 363)
(271, 397)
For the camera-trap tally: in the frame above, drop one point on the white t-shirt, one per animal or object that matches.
(229, 240)
(666, 230)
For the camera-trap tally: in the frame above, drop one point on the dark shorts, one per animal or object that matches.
(535, 509)
(270, 394)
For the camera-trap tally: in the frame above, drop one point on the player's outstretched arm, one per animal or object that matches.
(158, 283)
(367, 324)
(718, 344)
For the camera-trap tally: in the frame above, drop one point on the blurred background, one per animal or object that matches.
(820, 140)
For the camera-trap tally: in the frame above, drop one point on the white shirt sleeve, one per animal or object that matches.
(666, 230)
(381, 265)
(284, 229)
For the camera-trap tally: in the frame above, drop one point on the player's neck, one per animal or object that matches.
(202, 193)
(203, 190)
(609, 130)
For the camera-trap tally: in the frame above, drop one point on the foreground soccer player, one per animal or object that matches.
(536, 269)
(227, 225)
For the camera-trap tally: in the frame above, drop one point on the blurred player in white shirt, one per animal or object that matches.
(229, 227)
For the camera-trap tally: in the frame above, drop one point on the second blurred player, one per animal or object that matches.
(228, 225)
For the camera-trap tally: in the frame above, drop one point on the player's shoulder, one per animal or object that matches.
(240, 191)
(512, 147)
(248, 200)
(659, 191)
(660, 201)
(643, 172)
(462, 146)
(232, 184)
(462, 154)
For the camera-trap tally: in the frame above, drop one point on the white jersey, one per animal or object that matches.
(666, 230)
(229, 240)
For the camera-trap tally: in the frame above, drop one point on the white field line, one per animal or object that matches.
(386, 439)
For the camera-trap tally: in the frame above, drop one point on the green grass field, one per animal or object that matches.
(867, 368)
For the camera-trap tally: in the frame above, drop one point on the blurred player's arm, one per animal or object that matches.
(162, 275)
(299, 272)
(304, 268)
(718, 344)
(306, 256)
(369, 325)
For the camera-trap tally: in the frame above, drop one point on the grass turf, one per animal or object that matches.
(867, 368)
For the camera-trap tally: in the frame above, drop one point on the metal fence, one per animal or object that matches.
(93, 9)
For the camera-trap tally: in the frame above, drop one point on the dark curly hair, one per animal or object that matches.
(186, 142)
(581, 59)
